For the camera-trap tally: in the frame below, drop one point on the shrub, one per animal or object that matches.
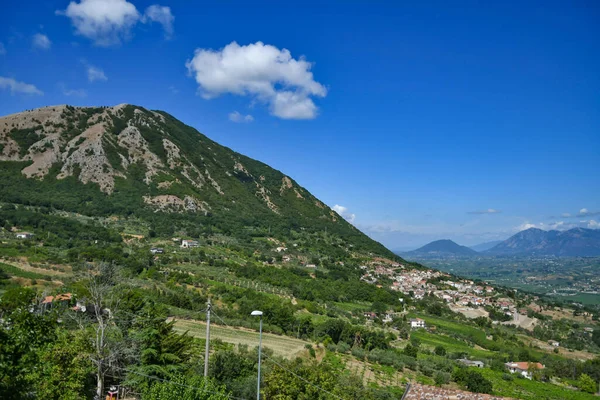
(441, 378)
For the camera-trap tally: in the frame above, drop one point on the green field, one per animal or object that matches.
(14, 271)
(281, 345)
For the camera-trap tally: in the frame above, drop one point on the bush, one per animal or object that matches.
(508, 377)
(440, 350)
(441, 378)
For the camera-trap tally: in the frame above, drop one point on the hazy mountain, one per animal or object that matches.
(441, 248)
(574, 242)
(126, 160)
(485, 246)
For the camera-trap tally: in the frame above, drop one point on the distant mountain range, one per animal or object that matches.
(441, 248)
(576, 242)
(485, 246)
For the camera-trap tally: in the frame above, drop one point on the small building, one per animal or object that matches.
(157, 250)
(524, 368)
(416, 323)
(471, 363)
(55, 301)
(553, 343)
(280, 249)
(370, 315)
(24, 235)
(188, 244)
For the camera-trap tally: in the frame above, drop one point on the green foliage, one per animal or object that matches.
(586, 384)
(472, 379)
(25, 138)
(182, 387)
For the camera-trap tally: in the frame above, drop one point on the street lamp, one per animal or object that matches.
(257, 313)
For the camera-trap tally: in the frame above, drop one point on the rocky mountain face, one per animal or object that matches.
(129, 160)
(441, 248)
(574, 242)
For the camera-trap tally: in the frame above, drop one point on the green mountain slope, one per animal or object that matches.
(126, 160)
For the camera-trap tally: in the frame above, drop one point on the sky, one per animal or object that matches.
(418, 121)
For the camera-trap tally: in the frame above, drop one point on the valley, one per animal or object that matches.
(574, 279)
(138, 220)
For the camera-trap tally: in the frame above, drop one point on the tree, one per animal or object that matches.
(180, 387)
(440, 350)
(64, 369)
(107, 340)
(472, 380)
(411, 350)
(586, 384)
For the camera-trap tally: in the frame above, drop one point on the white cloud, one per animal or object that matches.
(488, 211)
(2, 49)
(108, 22)
(95, 74)
(237, 117)
(343, 212)
(162, 15)
(558, 226)
(262, 72)
(18, 87)
(593, 224)
(72, 92)
(584, 211)
(566, 215)
(173, 89)
(41, 41)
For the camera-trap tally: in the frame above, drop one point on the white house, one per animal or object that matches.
(524, 368)
(186, 244)
(24, 235)
(416, 323)
(553, 343)
(157, 250)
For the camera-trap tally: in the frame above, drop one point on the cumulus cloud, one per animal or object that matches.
(108, 22)
(95, 74)
(162, 15)
(2, 49)
(237, 117)
(488, 211)
(558, 226)
(262, 72)
(593, 224)
(584, 212)
(17, 87)
(344, 213)
(41, 41)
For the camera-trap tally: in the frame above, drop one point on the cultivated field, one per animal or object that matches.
(281, 345)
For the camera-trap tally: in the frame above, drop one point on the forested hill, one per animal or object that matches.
(129, 161)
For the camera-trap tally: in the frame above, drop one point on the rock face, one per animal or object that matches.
(573, 242)
(128, 160)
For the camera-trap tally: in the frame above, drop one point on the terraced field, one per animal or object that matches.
(281, 345)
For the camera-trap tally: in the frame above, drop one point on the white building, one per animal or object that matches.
(416, 323)
(524, 368)
(186, 244)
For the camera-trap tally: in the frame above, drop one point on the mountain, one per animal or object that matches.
(485, 246)
(573, 242)
(129, 161)
(440, 248)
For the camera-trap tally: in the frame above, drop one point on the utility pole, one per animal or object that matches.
(206, 351)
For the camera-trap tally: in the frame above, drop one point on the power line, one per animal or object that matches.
(284, 368)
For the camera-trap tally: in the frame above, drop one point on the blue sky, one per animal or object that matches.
(419, 121)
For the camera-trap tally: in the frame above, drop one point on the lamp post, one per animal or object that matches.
(257, 313)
